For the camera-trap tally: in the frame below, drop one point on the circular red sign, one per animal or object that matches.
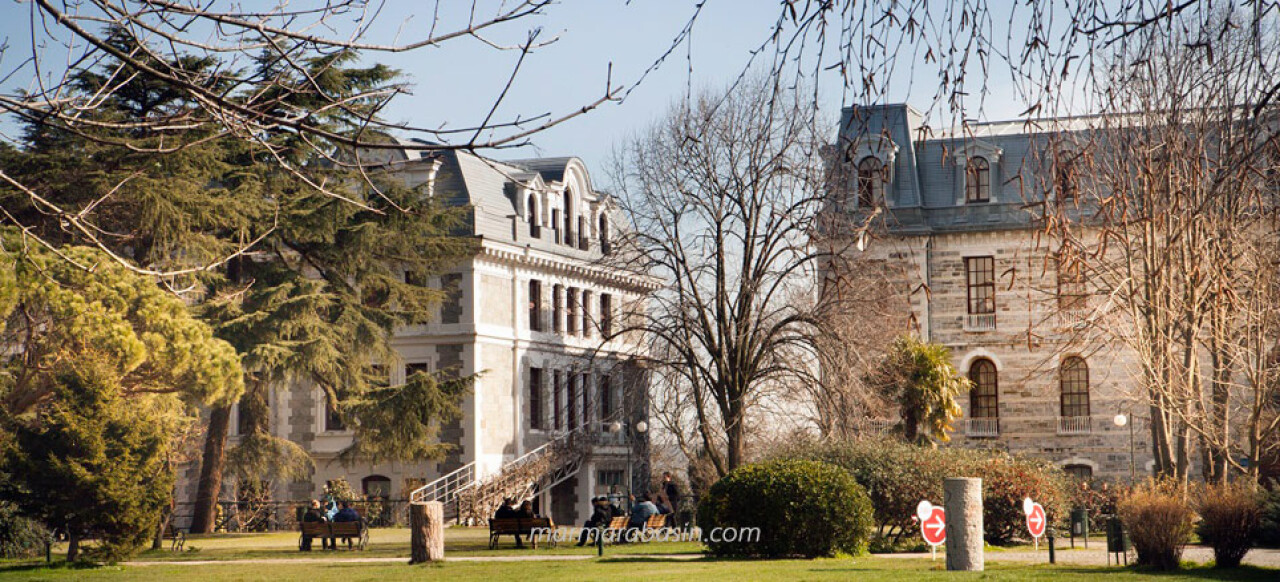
(1036, 520)
(934, 529)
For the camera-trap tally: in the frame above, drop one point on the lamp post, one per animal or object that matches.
(1121, 420)
(640, 427)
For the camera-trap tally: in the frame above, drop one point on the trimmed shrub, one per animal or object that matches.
(20, 537)
(1159, 524)
(799, 508)
(1269, 528)
(1229, 519)
(897, 476)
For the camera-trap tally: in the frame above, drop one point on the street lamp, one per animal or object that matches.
(640, 427)
(1121, 420)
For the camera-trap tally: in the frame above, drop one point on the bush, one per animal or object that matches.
(1099, 499)
(1229, 520)
(20, 537)
(803, 508)
(1159, 524)
(1269, 528)
(897, 476)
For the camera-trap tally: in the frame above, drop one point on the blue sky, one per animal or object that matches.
(456, 83)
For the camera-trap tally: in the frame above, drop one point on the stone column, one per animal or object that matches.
(962, 498)
(426, 532)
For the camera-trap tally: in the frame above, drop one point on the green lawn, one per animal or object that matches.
(621, 568)
(621, 562)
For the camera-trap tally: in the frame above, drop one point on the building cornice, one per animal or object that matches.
(529, 257)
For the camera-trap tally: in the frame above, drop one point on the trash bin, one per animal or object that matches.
(1117, 538)
(1079, 522)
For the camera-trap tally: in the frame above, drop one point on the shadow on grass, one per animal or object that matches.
(1247, 573)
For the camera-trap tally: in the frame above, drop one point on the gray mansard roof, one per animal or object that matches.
(499, 191)
(926, 190)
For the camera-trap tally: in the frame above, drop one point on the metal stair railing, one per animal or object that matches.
(446, 488)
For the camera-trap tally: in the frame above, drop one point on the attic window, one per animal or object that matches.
(977, 180)
(535, 229)
(871, 179)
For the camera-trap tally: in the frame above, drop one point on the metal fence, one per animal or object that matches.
(268, 516)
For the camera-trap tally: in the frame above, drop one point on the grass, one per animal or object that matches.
(871, 569)
(621, 562)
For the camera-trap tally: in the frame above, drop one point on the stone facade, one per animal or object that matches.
(942, 241)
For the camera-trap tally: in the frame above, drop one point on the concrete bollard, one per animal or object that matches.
(962, 499)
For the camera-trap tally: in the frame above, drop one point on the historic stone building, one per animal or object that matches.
(958, 226)
(535, 312)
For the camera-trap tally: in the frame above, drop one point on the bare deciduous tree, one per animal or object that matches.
(723, 193)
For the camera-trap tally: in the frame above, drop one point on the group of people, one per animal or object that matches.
(603, 511)
(336, 512)
(509, 510)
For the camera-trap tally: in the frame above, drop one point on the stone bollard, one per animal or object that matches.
(426, 532)
(962, 499)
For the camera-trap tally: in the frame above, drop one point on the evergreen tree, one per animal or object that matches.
(319, 248)
(103, 369)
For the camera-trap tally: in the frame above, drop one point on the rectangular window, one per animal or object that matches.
(412, 369)
(607, 478)
(571, 301)
(557, 308)
(535, 305)
(586, 399)
(332, 418)
(1072, 294)
(587, 323)
(535, 398)
(606, 315)
(573, 400)
(557, 409)
(583, 243)
(555, 225)
(980, 273)
(606, 399)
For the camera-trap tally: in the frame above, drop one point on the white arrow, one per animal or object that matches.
(1035, 519)
(934, 525)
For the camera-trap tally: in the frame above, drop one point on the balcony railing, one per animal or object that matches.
(982, 427)
(1075, 425)
(980, 322)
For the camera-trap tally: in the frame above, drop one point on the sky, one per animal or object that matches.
(456, 83)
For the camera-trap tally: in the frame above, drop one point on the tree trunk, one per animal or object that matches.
(211, 465)
(426, 532)
(735, 433)
(73, 545)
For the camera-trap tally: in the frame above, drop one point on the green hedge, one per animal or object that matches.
(897, 476)
(799, 508)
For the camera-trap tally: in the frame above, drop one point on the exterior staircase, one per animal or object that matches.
(469, 499)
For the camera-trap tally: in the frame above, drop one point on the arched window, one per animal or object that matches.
(1074, 379)
(535, 229)
(871, 181)
(376, 486)
(1065, 175)
(977, 180)
(603, 231)
(984, 401)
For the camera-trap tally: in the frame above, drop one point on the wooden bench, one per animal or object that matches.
(348, 530)
(520, 526)
(177, 536)
(656, 522)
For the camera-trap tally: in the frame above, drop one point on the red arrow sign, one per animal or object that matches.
(934, 529)
(1036, 520)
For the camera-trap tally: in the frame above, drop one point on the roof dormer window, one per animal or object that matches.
(977, 181)
(871, 180)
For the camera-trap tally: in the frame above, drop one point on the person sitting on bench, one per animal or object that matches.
(601, 514)
(345, 515)
(314, 515)
(506, 511)
(640, 513)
